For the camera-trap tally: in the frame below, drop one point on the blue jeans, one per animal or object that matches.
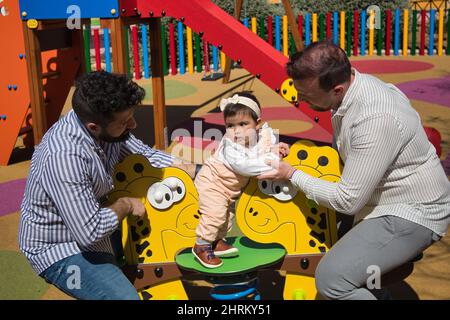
(90, 276)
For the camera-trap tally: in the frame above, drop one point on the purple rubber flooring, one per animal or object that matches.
(11, 194)
(436, 90)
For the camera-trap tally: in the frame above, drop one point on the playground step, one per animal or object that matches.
(50, 74)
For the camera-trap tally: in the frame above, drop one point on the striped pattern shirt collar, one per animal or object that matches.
(349, 95)
(74, 119)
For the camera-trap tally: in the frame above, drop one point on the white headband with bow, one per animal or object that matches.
(241, 100)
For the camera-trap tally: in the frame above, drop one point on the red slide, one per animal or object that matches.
(225, 32)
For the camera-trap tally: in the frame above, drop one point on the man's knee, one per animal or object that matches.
(328, 281)
(119, 288)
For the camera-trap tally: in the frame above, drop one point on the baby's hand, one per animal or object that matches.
(282, 149)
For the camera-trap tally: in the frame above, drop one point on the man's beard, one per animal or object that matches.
(103, 136)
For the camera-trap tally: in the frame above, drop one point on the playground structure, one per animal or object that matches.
(283, 230)
(49, 85)
(43, 46)
(47, 29)
(268, 212)
(38, 69)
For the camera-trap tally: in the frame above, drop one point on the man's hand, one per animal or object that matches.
(281, 171)
(282, 149)
(126, 205)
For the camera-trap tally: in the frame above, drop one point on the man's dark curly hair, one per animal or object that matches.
(100, 94)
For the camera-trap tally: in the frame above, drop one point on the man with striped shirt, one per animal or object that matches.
(65, 227)
(392, 182)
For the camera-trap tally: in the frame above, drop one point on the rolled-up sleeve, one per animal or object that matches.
(375, 143)
(67, 181)
(157, 158)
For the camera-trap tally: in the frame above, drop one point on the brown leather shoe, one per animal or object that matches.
(223, 249)
(205, 255)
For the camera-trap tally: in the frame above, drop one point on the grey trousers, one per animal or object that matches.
(352, 268)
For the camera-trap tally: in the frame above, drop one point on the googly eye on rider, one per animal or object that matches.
(160, 196)
(176, 186)
(283, 190)
(280, 190)
(265, 186)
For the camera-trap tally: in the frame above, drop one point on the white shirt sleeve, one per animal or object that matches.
(376, 142)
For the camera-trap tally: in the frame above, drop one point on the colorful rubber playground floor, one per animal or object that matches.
(192, 105)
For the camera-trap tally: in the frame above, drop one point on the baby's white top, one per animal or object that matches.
(250, 161)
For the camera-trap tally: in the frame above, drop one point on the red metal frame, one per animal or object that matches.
(98, 63)
(388, 32)
(422, 32)
(173, 59)
(137, 69)
(356, 31)
(328, 16)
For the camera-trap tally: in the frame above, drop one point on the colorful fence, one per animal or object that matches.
(398, 32)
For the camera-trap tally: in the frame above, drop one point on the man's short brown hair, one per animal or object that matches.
(322, 60)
